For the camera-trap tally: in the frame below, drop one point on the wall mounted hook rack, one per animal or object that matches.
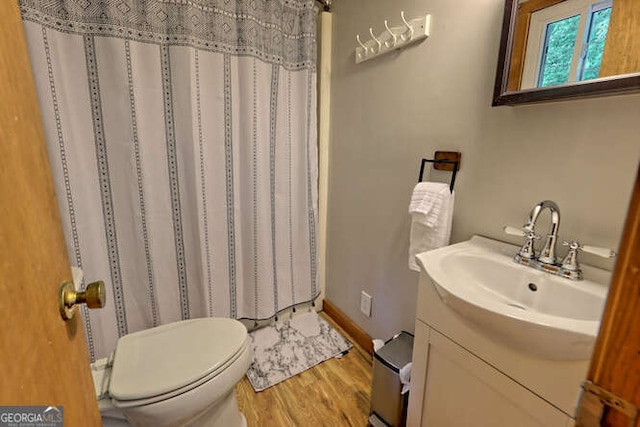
(393, 37)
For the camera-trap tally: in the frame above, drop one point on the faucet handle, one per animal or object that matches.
(522, 232)
(573, 245)
(570, 261)
(530, 234)
(514, 231)
(526, 251)
(603, 252)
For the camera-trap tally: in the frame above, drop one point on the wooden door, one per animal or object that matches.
(43, 359)
(615, 365)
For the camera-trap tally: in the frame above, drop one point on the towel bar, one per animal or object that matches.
(443, 160)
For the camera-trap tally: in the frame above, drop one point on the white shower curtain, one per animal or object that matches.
(182, 138)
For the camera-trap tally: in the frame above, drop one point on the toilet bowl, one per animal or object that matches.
(179, 374)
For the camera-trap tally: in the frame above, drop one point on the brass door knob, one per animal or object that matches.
(94, 296)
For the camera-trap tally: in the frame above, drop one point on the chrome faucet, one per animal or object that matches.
(546, 261)
(548, 253)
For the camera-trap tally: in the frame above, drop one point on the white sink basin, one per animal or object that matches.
(535, 312)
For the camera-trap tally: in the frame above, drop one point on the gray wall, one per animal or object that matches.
(389, 112)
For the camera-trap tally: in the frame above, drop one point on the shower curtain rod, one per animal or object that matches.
(326, 5)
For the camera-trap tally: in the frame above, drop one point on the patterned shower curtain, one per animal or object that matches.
(182, 139)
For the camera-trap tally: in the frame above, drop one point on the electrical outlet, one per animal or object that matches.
(365, 304)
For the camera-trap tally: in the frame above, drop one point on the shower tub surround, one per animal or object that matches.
(182, 141)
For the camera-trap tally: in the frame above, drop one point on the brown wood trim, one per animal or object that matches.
(615, 365)
(357, 333)
(622, 45)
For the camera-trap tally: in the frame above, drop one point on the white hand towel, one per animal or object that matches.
(427, 199)
(431, 210)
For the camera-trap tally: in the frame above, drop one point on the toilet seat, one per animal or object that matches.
(159, 363)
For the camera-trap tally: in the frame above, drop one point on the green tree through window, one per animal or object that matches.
(595, 47)
(558, 51)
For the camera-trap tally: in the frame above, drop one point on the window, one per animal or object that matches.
(557, 52)
(597, 35)
(566, 42)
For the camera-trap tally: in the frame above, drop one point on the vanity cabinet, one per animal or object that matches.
(461, 377)
(459, 389)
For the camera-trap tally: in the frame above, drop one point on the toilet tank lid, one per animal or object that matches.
(161, 360)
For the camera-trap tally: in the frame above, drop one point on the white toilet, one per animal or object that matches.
(180, 374)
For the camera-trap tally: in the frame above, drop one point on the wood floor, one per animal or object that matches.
(334, 393)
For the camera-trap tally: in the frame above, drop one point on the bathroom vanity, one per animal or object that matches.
(499, 356)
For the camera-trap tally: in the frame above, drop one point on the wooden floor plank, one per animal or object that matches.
(334, 393)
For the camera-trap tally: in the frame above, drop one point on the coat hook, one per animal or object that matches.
(378, 42)
(409, 27)
(393, 36)
(363, 46)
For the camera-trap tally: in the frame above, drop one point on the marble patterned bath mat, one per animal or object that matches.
(290, 347)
